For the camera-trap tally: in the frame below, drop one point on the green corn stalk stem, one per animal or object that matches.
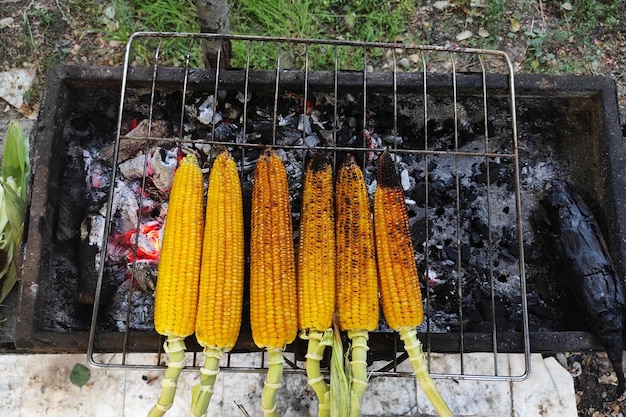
(13, 191)
(273, 382)
(358, 366)
(413, 347)
(201, 393)
(318, 342)
(339, 384)
(175, 348)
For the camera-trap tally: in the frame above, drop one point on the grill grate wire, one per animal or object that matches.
(433, 61)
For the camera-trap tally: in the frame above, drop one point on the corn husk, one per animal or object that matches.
(13, 186)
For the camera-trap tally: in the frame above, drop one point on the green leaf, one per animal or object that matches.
(80, 375)
(13, 183)
(15, 160)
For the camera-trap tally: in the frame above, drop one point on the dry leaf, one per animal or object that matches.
(567, 6)
(441, 4)
(466, 34)
(515, 25)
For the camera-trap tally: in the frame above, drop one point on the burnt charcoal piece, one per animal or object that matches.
(583, 263)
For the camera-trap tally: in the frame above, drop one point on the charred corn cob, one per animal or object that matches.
(176, 294)
(273, 301)
(221, 275)
(316, 272)
(357, 279)
(399, 281)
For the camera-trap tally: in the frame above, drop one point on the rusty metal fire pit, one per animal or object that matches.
(569, 121)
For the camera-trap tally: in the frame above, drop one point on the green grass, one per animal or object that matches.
(569, 42)
(160, 16)
(364, 20)
(360, 20)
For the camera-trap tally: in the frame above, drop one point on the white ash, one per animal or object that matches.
(92, 229)
(304, 124)
(163, 164)
(92, 232)
(206, 113)
(97, 178)
(283, 121)
(125, 207)
(134, 168)
(406, 180)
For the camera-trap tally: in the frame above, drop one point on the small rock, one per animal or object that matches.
(404, 63)
(483, 33)
(576, 369)
(415, 58)
(561, 359)
(6, 22)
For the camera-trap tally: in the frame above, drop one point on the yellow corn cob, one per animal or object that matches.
(399, 282)
(316, 271)
(221, 276)
(176, 294)
(357, 285)
(273, 301)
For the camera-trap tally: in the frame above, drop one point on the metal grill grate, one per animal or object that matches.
(435, 107)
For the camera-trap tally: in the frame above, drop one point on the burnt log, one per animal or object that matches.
(582, 261)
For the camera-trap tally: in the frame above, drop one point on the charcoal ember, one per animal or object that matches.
(288, 137)
(294, 168)
(261, 124)
(61, 298)
(483, 172)
(392, 139)
(232, 112)
(227, 132)
(73, 201)
(347, 136)
(131, 309)
(155, 128)
(144, 274)
(134, 142)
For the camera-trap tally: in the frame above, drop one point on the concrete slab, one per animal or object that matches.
(39, 385)
(549, 391)
(12, 369)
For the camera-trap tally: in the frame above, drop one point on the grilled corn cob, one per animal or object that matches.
(357, 285)
(399, 282)
(221, 275)
(316, 272)
(176, 294)
(273, 301)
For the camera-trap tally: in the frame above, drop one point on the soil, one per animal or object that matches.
(38, 34)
